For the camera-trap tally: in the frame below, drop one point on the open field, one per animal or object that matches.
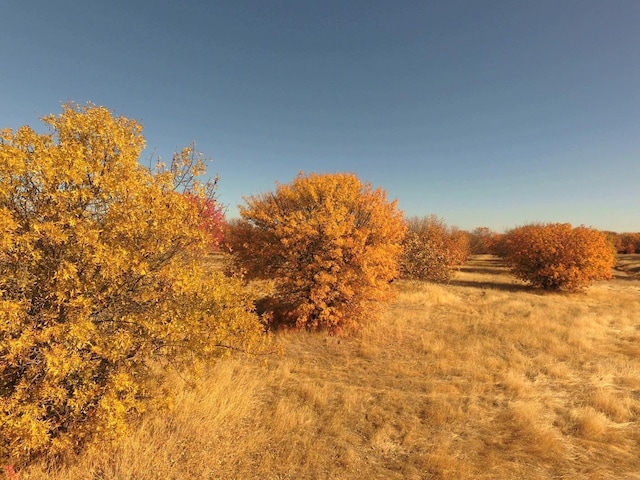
(482, 379)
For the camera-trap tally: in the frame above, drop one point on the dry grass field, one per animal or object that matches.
(480, 379)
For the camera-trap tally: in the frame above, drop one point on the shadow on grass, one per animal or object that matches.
(505, 287)
(618, 275)
(627, 267)
(485, 265)
(483, 270)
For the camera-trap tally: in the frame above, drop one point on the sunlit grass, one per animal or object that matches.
(482, 379)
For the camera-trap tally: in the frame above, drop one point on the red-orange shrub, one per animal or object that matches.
(459, 246)
(212, 220)
(557, 256)
(330, 242)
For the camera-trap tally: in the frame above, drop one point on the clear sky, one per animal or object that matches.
(486, 113)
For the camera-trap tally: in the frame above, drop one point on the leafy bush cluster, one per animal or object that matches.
(330, 242)
(558, 256)
(483, 240)
(627, 243)
(100, 275)
(431, 249)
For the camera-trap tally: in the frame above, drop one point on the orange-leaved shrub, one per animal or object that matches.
(330, 242)
(557, 256)
(459, 246)
(100, 277)
(483, 241)
(431, 249)
(628, 243)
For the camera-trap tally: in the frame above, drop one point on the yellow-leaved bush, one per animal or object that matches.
(557, 256)
(330, 242)
(100, 278)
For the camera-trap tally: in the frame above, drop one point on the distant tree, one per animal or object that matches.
(330, 242)
(459, 245)
(499, 246)
(558, 256)
(628, 243)
(431, 249)
(100, 276)
(614, 239)
(483, 240)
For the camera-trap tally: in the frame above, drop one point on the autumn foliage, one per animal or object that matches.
(212, 219)
(558, 256)
(330, 242)
(431, 249)
(100, 276)
(627, 243)
(483, 241)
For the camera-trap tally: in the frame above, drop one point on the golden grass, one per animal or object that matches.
(480, 379)
(628, 266)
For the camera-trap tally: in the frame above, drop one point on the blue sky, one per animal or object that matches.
(486, 113)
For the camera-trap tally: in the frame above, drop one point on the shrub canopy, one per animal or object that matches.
(557, 256)
(431, 249)
(100, 275)
(330, 242)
